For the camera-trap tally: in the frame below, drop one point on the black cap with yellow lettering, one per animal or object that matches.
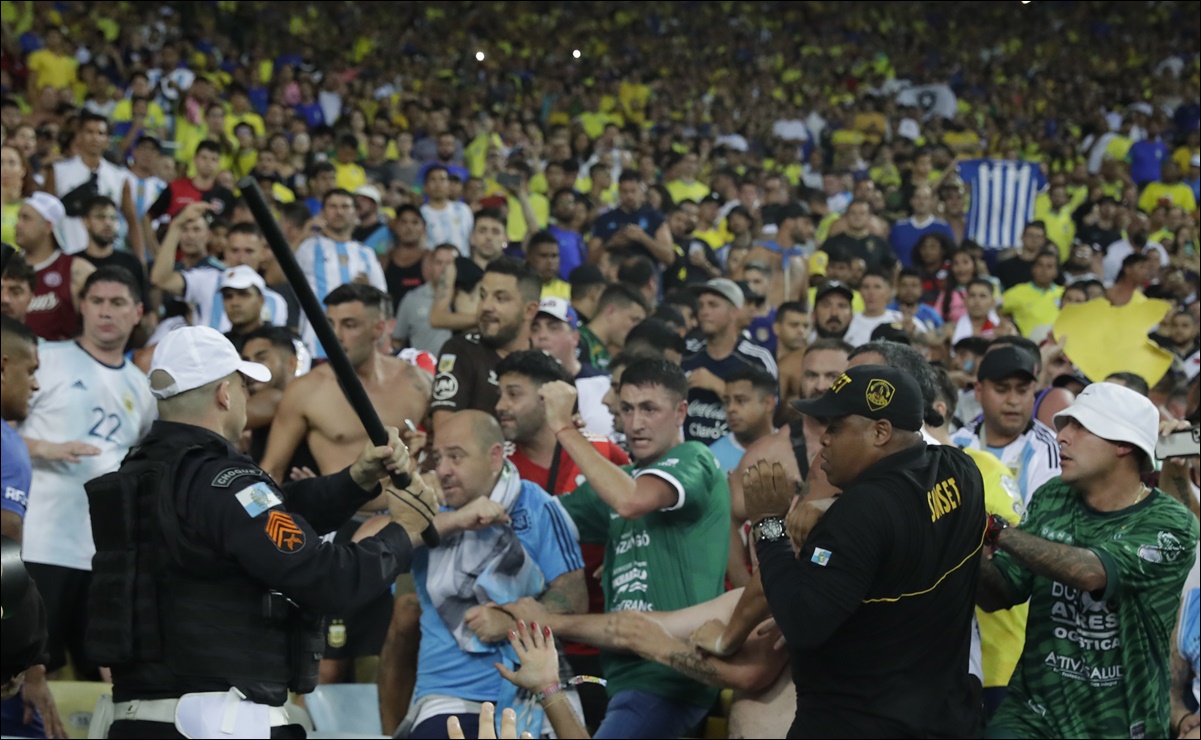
(874, 391)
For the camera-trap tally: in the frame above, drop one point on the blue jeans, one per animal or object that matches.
(634, 713)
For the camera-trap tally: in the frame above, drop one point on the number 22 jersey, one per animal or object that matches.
(79, 399)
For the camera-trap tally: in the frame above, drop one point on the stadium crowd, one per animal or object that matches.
(596, 251)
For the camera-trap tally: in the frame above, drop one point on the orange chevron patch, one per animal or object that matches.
(284, 534)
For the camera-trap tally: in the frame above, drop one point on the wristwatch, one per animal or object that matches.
(770, 529)
(996, 524)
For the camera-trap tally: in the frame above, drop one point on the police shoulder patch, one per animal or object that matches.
(258, 498)
(284, 533)
(226, 477)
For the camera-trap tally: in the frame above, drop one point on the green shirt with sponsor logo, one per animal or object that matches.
(666, 560)
(1096, 664)
(592, 350)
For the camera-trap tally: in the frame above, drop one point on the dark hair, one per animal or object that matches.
(541, 237)
(629, 175)
(682, 297)
(656, 334)
(656, 371)
(561, 192)
(908, 272)
(409, 208)
(348, 140)
(1132, 381)
(534, 364)
(97, 201)
(976, 345)
(945, 390)
(617, 294)
(1035, 225)
(791, 307)
(981, 281)
(494, 214)
(1129, 261)
(13, 329)
(529, 283)
(295, 213)
(828, 344)
(637, 271)
(876, 272)
(432, 169)
(249, 228)
(86, 116)
(280, 337)
(113, 274)
(1048, 253)
(909, 361)
(17, 269)
(209, 145)
(369, 295)
(320, 168)
(761, 380)
(670, 316)
(334, 193)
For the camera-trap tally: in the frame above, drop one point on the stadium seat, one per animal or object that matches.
(345, 708)
(76, 700)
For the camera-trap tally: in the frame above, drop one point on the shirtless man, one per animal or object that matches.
(313, 408)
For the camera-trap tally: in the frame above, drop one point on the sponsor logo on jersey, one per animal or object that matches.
(53, 279)
(445, 387)
(44, 302)
(79, 384)
(283, 532)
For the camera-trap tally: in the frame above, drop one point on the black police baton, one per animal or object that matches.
(338, 361)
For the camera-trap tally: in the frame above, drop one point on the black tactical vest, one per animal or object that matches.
(158, 596)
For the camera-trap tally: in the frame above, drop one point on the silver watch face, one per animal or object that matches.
(771, 529)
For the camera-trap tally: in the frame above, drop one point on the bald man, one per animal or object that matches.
(502, 538)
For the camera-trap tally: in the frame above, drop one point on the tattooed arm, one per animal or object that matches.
(1071, 566)
(992, 590)
(567, 594)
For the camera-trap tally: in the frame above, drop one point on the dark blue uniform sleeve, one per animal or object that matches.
(247, 522)
(327, 502)
(811, 596)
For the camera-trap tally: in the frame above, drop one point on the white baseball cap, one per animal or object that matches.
(198, 355)
(241, 278)
(47, 206)
(1116, 413)
(370, 192)
(560, 308)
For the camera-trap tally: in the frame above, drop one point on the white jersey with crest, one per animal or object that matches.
(83, 400)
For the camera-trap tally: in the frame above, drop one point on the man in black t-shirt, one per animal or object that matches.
(859, 242)
(402, 265)
(101, 219)
(889, 570)
(695, 260)
(1018, 268)
(466, 378)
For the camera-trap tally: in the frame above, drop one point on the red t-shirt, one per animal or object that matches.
(567, 479)
(52, 315)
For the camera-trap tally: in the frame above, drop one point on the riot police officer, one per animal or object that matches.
(210, 582)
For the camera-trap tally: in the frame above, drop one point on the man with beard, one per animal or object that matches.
(832, 310)
(572, 250)
(332, 258)
(274, 348)
(722, 350)
(466, 378)
(857, 240)
(403, 265)
(823, 362)
(541, 460)
(102, 220)
(695, 260)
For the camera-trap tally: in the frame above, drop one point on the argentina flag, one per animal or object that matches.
(1002, 199)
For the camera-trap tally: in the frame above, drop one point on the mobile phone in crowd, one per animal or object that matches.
(508, 181)
(1185, 443)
